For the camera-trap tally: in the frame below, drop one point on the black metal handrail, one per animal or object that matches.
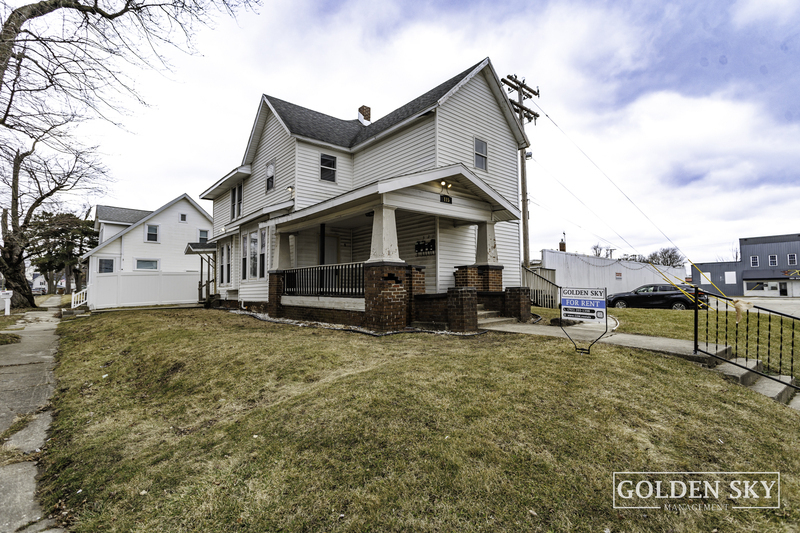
(343, 280)
(770, 338)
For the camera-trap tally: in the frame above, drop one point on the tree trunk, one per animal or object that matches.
(67, 280)
(13, 268)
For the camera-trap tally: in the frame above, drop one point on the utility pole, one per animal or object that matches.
(523, 93)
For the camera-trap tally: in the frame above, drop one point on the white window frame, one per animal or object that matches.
(221, 265)
(183, 218)
(267, 186)
(478, 154)
(252, 250)
(791, 259)
(147, 233)
(321, 167)
(237, 192)
(243, 247)
(773, 260)
(228, 265)
(208, 234)
(136, 264)
(113, 265)
(753, 261)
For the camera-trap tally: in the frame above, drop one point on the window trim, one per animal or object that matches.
(269, 185)
(228, 264)
(477, 154)
(252, 253)
(147, 233)
(237, 192)
(136, 264)
(243, 248)
(113, 264)
(754, 261)
(262, 250)
(199, 238)
(791, 259)
(773, 257)
(183, 218)
(221, 256)
(321, 167)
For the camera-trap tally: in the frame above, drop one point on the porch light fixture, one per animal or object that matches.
(290, 188)
(528, 156)
(445, 186)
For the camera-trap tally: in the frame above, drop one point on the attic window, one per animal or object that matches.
(183, 218)
(327, 171)
(481, 154)
(271, 175)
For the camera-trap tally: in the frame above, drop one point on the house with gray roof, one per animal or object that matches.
(375, 223)
(140, 257)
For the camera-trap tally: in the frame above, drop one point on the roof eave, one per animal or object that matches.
(221, 185)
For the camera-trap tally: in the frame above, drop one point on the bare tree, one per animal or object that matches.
(62, 62)
(667, 257)
(597, 249)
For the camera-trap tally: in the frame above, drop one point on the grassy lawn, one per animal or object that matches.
(209, 421)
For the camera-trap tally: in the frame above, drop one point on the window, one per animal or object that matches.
(773, 260)
(244, 256)
(152, 233)
(147, 264)
(753, 261)
(327, 171)
(236, 201)
(755, 285)
(262, 256)
(730, 278)
(271, 175)
(184, 218)
(481, 154)
(228, 264)
(106, 266)
(253, 255)
(792, 259)
(222, 264)
(202, 236)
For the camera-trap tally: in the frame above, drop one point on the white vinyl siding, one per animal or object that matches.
(473, 112)
(310, 188)
(457, 248)
(507, 236)
(275, 145)
(408, 151)
(222, 212)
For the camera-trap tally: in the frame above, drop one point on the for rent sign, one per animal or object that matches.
(586, 305)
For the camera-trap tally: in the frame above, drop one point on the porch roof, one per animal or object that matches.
(199, 248)
(501, 208)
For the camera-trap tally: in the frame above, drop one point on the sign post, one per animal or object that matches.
(584, 305)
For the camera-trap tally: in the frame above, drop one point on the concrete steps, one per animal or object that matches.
(491, 318)
(780, 391)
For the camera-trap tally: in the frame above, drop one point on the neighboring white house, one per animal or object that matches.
(433, 183)
(140, 259)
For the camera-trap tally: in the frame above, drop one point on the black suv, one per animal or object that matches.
(661, 296)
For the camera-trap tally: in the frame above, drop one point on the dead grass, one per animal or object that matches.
(209, 421)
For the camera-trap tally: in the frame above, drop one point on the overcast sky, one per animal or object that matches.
(691, 108)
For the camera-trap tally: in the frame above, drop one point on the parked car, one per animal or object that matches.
(39, 291)
(658, 296)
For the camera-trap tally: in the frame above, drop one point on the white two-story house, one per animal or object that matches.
(140, 257)
(432, 184)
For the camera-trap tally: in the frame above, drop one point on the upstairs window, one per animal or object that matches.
(236, 202)
(792, 259)
(106, 266)
(327, 170)
(481, 154)
(202, 236)
(152, 233)
(270, 175)
(754, 261)
(773, 260)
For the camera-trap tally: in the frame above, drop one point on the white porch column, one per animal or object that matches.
(487, 245)
(282, 258)
(384, 236)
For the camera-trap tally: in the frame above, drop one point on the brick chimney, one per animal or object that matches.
(364, 114)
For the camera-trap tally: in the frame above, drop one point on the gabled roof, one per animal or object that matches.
(146, 218)
(119, 215)
(350, 134)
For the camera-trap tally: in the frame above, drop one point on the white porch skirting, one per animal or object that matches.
(325, 302)
(133, 289)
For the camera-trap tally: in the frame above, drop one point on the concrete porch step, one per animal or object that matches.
(487, 314)
(741, 375)
(795, 403)
(496, 321)
(780, 392)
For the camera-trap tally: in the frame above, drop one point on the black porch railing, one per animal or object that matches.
(343, 280)
(752, 332)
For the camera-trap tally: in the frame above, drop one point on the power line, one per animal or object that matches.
(609, 179)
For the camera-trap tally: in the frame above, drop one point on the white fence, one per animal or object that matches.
(130, 289)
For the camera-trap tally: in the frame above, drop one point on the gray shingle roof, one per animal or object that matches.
(349, 133)
(120, 214)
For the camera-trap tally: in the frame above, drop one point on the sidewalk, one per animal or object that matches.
(26, 384)
(583, 333)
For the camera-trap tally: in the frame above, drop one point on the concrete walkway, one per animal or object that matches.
(26, 384)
